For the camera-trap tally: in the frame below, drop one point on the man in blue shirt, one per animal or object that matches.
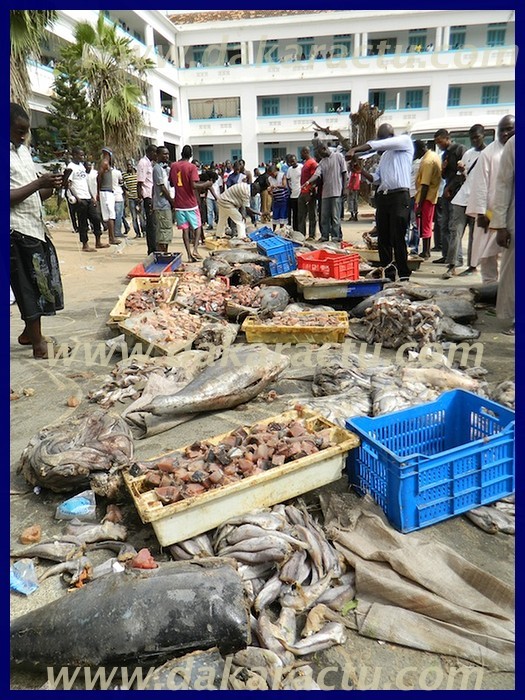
(392, 197)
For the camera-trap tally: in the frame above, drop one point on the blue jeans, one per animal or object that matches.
(413, 228)
(213, 210)
(331, 218)
(135, 206)
(119, 215)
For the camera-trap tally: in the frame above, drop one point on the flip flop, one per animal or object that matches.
(47, 339)
(56, 347)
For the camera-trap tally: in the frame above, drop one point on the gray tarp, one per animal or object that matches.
(423, 594)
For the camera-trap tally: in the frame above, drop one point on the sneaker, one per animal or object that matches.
(404, 279)
(439, 261)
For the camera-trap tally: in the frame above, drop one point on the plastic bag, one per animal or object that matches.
(83, 506)
(23, 577)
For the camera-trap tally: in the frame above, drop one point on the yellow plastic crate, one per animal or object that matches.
(217, 243)
(139, 284)
(193, 516)
(257, 333)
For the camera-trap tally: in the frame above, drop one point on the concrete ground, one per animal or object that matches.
(92, 283)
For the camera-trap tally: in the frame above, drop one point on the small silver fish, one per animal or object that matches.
(55, 550)
(332, 633)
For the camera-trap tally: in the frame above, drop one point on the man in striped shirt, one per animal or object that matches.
(134, 204)
(233, 199)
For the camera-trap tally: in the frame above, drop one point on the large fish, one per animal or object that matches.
(143, 618)
(450, 330)
(241, 256)
(219, 387)
(216, 266)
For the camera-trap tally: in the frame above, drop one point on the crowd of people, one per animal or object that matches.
(417, 194)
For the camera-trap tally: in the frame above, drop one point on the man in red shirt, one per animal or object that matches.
(307, 198)
(184, 177)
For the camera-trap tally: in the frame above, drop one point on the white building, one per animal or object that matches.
(232, 84)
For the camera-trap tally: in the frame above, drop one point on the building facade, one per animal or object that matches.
(233, 85)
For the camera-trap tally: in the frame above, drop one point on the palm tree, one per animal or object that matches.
(114, 76)
(28, 28)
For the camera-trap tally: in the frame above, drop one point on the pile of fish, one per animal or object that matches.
(129, 377)
(497, 517)
(218, 387)
(307, 319)
(164, 325)
(355, 385)
(208, 295)
(505, 394)
(244, 295)
(393, 322)
(244, 452)
(146, 299)
(87, 451)
(455, 306)
(294, 580)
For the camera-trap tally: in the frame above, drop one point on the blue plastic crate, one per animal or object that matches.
(431, 462)
(282, 254)
(260, 233)
(364, 288)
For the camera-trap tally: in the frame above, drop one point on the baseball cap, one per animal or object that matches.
(107, 150)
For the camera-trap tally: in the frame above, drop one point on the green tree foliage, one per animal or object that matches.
(113, 73)
(71, 121)
(28, 28)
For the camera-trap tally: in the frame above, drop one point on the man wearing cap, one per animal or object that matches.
(106, 195)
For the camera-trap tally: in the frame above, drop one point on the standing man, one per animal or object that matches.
(130, 186)
(352, 191)
(452, 155)
(184, 177)
(458, 216)
(212, 209)
(145, 192)
(428, 180)
(35, 273)
(278, 188)
(293, 175)
(504, 223)
(485, 249)
(162, 201)
(392, 196)
(76, 179)
(332, 168)
(306, 204)
(106, 195)
(118, 191)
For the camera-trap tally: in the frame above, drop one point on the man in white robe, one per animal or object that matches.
(503, 223)
(485, 249)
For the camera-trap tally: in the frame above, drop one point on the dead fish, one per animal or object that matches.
(505, 393)
(332, 633)
(266, 633)
(301, 678)
(287, 624)
(256, 544)
(337, 596)
(458, 309)
(268, 594)
(240, 256)
(247, 572)
(245, 532)
(255, 657)
(113, 514)
(55, 550)
(217, 389)
(273, 299)
(295, 569)
(216, 266)
(73, 567)
(485, 294)
(257, 557)
(199, 546)
(247, 273)
(305, 596)
(450, 330)
(113, 546)
(440, 378)
(508, 508)
(110, 566)
(96, 533)
(314, 549)
(492, 520)
(263, 519)
(200, 670)
(188, 606)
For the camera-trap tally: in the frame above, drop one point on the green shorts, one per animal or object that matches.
(164, 226)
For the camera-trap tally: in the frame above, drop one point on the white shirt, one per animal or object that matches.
(27, 216)
(116, 174)
(216, 187)
(78, 181)
(469, 158)
(395, 167)
(484, 179)
(238, 195)
(92, 182)
(293, 176)
(415, 168)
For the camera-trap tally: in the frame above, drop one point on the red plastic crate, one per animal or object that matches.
(321, 263)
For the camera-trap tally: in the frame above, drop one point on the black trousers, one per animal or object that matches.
(392, 216)
(151, 236)
(293, 217)
(87, 211)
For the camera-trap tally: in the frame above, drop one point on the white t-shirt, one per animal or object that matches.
(469, 158)
(78, 181)
(216, 187)
(116, 174)
(294, 178)
(92, 182)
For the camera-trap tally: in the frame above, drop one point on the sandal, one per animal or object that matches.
(57, 353)
(510, 331)
(47, 339)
